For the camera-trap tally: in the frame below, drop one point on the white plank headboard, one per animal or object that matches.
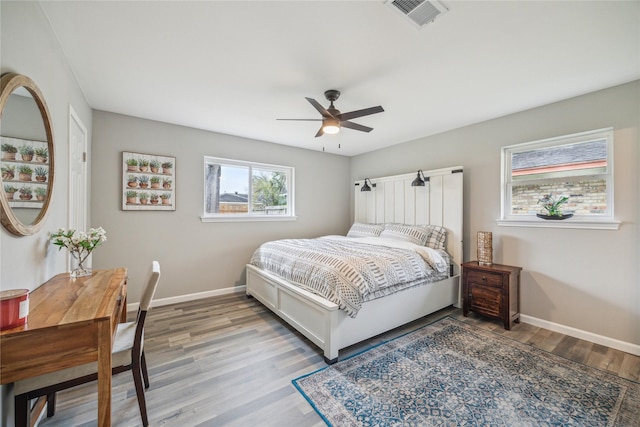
(439, 202)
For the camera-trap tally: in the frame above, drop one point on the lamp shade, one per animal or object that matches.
(366, 186)
(330, 126)
(419, 182)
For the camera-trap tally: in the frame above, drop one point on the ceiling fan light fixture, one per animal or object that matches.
(331, 126)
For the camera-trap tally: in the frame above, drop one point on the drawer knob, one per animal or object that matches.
(484, 278)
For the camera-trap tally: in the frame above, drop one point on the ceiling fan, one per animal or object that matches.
(332, 119)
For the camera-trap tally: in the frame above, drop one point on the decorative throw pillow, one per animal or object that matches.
(359, 229)
(409, 233)
(437, 236)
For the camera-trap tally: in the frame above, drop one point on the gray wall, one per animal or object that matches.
(29, 47)
(195, 256)
(584, 279)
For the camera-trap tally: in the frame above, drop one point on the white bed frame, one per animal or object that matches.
(393, 199)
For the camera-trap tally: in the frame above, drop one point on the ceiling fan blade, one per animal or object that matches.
(355, 126)
(359, 113)
(320, 132)
(319, 107)
(303, 120)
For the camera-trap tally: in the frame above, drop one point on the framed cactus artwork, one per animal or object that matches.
(148, 182)
(25, 166)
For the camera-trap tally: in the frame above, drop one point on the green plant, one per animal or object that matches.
(143, 196)
(166, 181)
(25, 169)
(155, 179)
(81, 244)
(42, 152)
(552, 204)
(8, 148)
(132, 178)
(41, 191)
(131, 194)
(154, 196)
(167, 165)
(40, 171)
(10, 188)
(143, 179)
(143, 162)
(165, 196)
(27, 150)
(26, 191)
(131, 162)
(154, 164)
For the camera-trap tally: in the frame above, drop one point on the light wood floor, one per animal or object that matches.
(228, 361)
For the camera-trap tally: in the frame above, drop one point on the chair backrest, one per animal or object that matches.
(150, 288)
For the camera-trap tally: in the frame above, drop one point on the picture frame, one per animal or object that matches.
(25, 172)
(148, 182)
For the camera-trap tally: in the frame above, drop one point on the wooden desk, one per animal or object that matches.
(71, 322)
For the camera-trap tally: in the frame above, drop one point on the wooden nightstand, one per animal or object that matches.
(492, 290)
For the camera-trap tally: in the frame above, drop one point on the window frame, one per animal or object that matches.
(604, 221)
(289, 171)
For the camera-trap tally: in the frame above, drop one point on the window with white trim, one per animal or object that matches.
(239, 190)
(577, 166)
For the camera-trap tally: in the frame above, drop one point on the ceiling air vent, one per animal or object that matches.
(420, 12)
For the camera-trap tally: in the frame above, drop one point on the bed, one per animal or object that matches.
(332, 325)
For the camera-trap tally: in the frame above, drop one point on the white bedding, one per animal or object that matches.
(349, 271)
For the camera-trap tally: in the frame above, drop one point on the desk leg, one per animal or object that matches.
(104, 374)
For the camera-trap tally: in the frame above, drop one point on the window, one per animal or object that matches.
(578, 166)
(237, 190)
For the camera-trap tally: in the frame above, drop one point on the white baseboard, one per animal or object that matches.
(189, 297)
(584, 335)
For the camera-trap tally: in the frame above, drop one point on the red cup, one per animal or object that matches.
(14, 308)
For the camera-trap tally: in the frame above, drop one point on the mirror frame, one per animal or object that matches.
(9, 82)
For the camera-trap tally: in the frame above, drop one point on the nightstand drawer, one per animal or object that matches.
(484, 278)
(485, 300)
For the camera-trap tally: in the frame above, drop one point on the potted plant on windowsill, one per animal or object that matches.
(552, 206)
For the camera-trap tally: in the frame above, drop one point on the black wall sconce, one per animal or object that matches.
(419, 182)
(366, 186)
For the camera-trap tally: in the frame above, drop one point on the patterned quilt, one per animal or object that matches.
(348, 271)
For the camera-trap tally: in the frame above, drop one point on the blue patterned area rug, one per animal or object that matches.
(453, 374)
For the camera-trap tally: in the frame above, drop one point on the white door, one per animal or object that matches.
(78, 196)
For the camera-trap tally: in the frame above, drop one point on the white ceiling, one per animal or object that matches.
(235, 66)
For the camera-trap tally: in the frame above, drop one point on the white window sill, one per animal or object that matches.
(566, 223)
(247, 218)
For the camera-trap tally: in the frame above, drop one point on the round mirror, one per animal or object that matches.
(27, 155)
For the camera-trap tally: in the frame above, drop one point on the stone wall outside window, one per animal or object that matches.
(585, 197)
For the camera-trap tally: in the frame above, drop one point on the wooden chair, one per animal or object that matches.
(127, 354)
